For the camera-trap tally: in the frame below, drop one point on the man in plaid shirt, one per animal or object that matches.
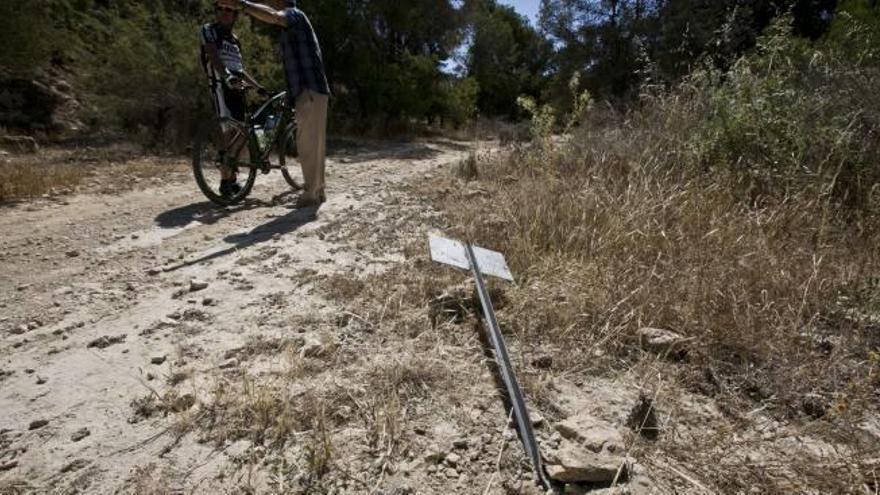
(306, 86)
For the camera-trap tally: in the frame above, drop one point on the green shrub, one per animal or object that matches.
(797, 114)
(23, 35)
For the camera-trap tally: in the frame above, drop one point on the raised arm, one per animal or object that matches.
(259, 11)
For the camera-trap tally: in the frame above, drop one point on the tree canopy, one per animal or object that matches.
(388, 61)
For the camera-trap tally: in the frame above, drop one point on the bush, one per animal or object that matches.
(147, 81)
(796, 115)
(24, 36)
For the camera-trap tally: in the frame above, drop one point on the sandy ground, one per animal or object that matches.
(97, 308)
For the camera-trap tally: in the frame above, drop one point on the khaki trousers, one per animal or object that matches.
(311, 140)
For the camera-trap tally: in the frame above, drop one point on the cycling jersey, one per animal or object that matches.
(228, 48)
(228, 102)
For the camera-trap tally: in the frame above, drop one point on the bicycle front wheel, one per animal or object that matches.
(207, 163)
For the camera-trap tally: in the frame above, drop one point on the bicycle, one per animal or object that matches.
(271, 128)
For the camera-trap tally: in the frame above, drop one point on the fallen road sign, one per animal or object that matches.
(451, 252)
(482, 261)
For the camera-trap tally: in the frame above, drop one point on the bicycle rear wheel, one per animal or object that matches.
(287, 151)
(207, 162)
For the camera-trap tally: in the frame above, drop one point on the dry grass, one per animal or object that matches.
(27, 179)
(60, 171)
(306, 408)
(618, 227)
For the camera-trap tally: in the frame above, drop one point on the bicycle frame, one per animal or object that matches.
(258, 158)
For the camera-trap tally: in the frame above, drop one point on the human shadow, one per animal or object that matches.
(205, 212)
(208, 213)
(283, 224)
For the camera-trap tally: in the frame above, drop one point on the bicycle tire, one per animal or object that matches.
(284, 143)
(205, 154)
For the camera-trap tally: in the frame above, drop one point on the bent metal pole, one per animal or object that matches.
(520, 413)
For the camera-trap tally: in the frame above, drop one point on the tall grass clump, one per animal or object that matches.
(739, 210)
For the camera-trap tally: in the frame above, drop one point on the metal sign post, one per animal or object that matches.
(482, 261)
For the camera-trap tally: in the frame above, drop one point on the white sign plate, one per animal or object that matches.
(451, 252)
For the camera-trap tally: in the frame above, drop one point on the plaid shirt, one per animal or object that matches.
(301, 56)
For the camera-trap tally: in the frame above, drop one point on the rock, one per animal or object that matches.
(661, 342)
(814, 405)
(228, 364)
(543, 362)
(80, 434)
(475, 193)
(153, 271)
(76, 465)
(157, 360)
(19, 144)
(452, 459)
(451, 473)
(576, 464)
(73, 253)
(535, 417)
(197, 285)
(41, 380)
(183, 403)
(643, 418)
(435, 455)
(37, 424)
(62, 85)
(18, 330)
(537, 420)
(592, 451)
(209, 301)
(63, 291)
(593, 433)
(106, 341)
(7, 465)
(312, 348)
(460, 443)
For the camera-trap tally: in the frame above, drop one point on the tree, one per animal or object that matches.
(383, 56)
(507, 57)
(615, 44)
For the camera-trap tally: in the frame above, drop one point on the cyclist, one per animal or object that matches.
(222, 61)
(307, 86)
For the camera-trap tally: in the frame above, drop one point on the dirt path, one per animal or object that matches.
(106, 331)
